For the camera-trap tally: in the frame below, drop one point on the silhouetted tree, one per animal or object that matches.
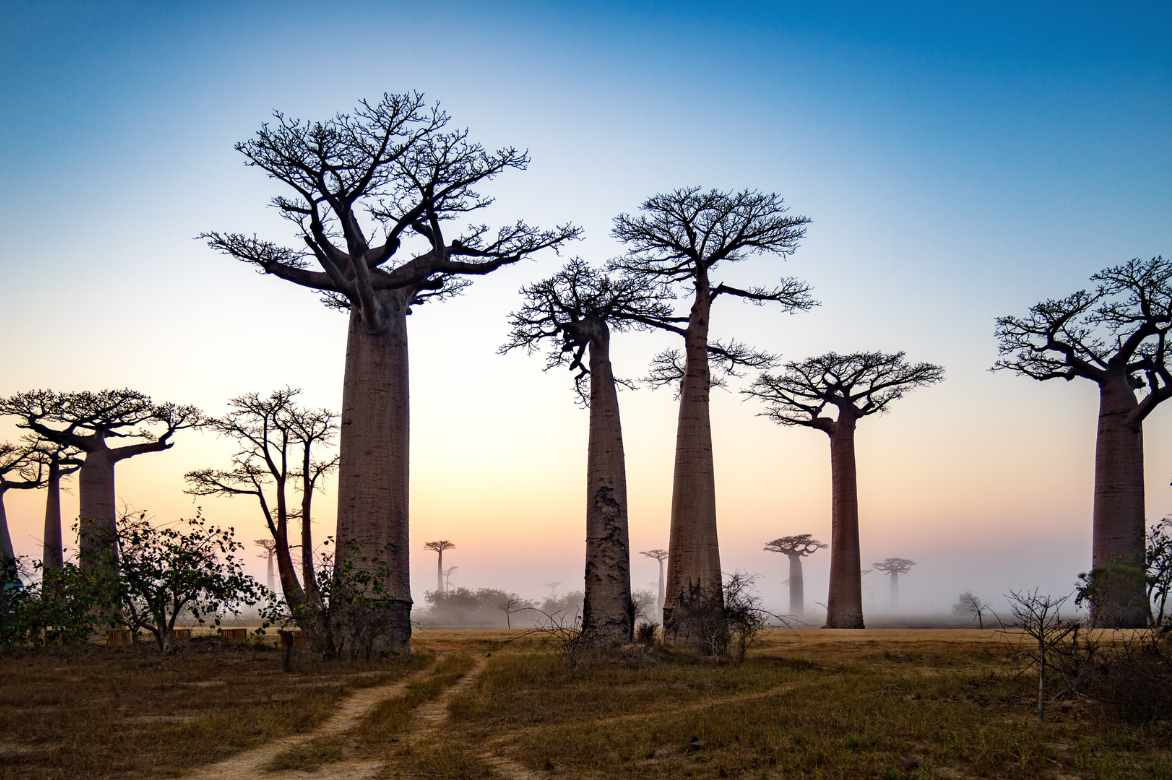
(59, 462)
(681, 239)
(19, 470)
(794, 548)
(90, 422)
(439, 547)
(972, 606)
(374, 195)
(1115, 336)
(270, 549)
(854, 385)
(573, 313)
(659, 555)
(1040, 618)
(279, 449)
(893, 568)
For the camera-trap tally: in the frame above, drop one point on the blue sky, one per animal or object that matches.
(958, 163)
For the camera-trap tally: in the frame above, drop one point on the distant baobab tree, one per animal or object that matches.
(1114, 335)
(795, 548)
(270, 548)
(854, 385)
(89, 422)
(438, 547)
(59, 461)
(659, 555)
(279, 450)
(374, 199)
(19, 470)
(680, 239)
(894, 568)
(573, 314)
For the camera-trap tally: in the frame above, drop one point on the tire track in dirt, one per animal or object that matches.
(349, 713)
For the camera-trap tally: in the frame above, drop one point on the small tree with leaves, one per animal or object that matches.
(850, 386)
(573, 315)
(107, 427)
(1116, 336)
(794, 548)
(687, 239)
(193, 567)
(381, 201)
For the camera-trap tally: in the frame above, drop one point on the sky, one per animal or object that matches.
(957, 164)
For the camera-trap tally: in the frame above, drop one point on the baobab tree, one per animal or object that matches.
(90, 422)
(438, 547)
(893, 568)
(573, 314)
(795, 548)
(58, 461)
(659, 555)
(682, 239)
(270, 548)
(374, 198)
(1114, 335)
(851, 386)
(279, 449)
(19, 470)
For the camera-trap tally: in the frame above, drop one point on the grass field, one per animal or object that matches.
(883, 703)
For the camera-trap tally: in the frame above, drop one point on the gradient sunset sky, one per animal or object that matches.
(956, 165)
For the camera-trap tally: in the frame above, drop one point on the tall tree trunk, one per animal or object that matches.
(797, 594)
(608, 613)
(439, 571)
(845, 603)
(269, 574)
(372, 538)
(7, 553)
(693, 566)
(308, 572)
(659, 600)
(894, 590)
(97, 542)
(1118, 543)
(53, 553)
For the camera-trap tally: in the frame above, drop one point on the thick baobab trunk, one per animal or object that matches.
(797, 594)
(845, 603)
(373, 552)
(608, 613)
(894, 590)
(1118, 544)
(693, 567)
(7, 552)
(97, 542)
(439, 571)
(53, 553)
(269, 573)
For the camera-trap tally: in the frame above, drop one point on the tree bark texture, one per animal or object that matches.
(845, 602)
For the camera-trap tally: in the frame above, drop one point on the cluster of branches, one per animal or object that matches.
(799, 544)
(374, 193)
(1120, 325)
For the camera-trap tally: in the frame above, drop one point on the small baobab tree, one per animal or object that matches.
(795, 548)
(894, 568)
(58, 461)
(376, 198)
(659, 556)
(573, 314)
(279, 450)
(683, 239)
(19, 470)
(269, 554)
(91, 422)
(1114, 335)
(438, 547)
(853, 386)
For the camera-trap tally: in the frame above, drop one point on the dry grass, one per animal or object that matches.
(809, 703)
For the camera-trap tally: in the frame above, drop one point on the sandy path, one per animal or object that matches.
(350, 712)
